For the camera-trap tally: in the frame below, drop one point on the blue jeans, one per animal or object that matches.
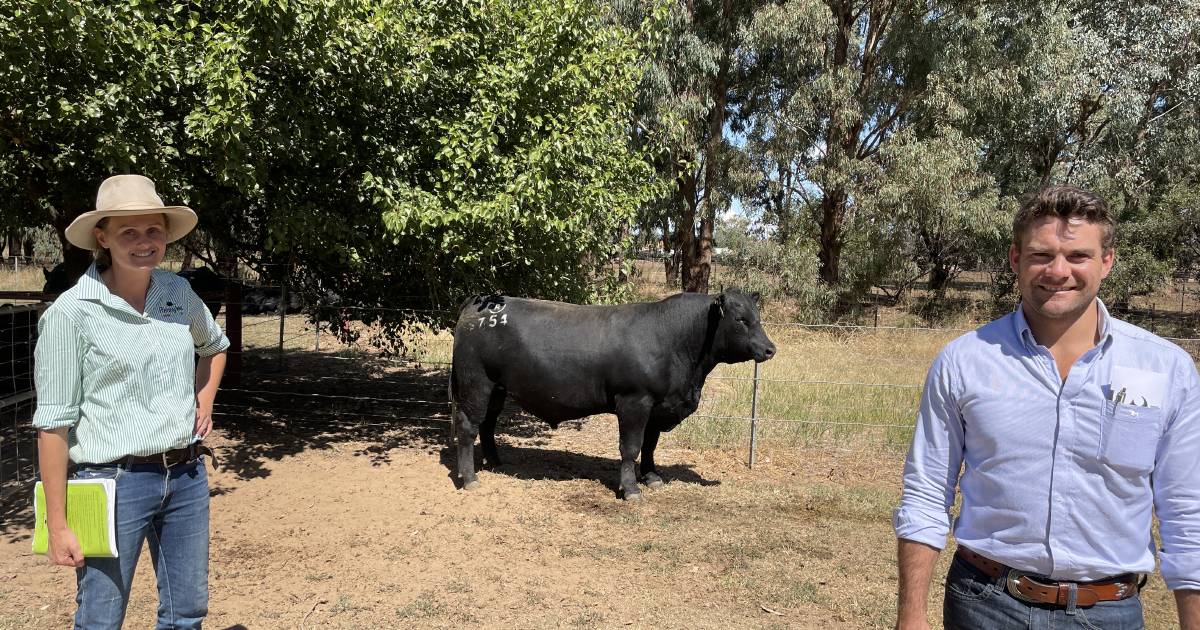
(975, 601)
(170, 508)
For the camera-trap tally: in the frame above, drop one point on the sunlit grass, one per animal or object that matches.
(853, 388)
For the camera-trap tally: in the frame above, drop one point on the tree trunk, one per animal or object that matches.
(670, 242)
(686, 228)
(702, 269)
(701, 262)
(75, 261)
(841, 141)
(939, 278)
(833, 212)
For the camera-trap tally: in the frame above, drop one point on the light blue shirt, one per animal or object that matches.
(124, 382)
(1058, 479)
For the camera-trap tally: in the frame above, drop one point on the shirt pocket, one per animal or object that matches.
(1130, 438)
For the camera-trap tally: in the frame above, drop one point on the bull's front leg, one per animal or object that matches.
(632, 417)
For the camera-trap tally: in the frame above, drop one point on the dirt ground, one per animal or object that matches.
(351, 533)
(309, 532)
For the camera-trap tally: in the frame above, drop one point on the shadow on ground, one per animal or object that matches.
(311, 401)
(548, 464)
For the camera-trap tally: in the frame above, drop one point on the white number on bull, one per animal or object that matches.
(491, 321)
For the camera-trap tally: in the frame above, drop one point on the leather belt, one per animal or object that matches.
(167, 459)
(1034, 589)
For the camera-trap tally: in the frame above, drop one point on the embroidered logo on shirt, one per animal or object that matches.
(169, 309)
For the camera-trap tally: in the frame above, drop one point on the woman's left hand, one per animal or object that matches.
(204, 421)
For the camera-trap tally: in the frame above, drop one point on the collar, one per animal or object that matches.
(92, 287)
(1103, 326)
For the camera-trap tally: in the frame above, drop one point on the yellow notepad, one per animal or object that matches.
(91, 512)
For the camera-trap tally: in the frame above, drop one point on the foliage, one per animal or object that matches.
(402, 153)
(779, 271)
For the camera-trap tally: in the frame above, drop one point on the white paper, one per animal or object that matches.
(1140, 388)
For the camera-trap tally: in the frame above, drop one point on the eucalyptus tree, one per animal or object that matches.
(837, 81)
(686, 104)
(1104, 97)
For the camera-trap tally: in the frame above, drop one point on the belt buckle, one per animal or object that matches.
(1010, 585)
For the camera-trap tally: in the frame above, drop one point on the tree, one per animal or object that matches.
(402, 153)
(685, 104)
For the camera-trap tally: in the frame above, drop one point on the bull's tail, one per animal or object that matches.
(450, 394)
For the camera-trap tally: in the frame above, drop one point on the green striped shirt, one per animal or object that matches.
(123, 381)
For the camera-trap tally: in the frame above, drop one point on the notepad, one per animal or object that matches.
(91, 515)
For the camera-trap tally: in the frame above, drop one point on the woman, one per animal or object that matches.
(121, 396)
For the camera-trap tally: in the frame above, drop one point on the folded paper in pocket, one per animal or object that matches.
(1140, 388)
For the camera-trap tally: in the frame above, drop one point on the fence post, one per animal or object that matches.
(233, 323)
(317, 324)
(877, 316)
(283, 298)
(754, 415)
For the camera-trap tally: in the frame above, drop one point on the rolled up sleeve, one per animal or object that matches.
(206, 334)
(58, 371)
(1176, 484)
(932, 466)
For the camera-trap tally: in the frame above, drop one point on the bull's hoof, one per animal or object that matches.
(653, 481)
(636, 497)
(471, 485)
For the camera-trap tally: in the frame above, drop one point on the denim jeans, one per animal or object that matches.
(168, 507)
(975, 601)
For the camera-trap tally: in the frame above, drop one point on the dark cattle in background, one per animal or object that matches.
(205, 281)
(266, 300)
(644, 362)
(57, 279)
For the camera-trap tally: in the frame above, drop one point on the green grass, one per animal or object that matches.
(856, 388)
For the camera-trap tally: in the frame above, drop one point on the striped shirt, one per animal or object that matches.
(1060, 478)
(123, 382)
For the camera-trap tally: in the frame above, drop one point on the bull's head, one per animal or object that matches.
(739, 335)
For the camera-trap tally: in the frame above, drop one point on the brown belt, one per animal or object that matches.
(170, 458)
(1029, 588)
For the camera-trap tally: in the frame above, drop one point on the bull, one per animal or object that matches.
(644, 362)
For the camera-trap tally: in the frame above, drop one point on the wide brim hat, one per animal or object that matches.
(128, 195)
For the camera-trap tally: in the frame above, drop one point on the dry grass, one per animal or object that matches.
(26, 278)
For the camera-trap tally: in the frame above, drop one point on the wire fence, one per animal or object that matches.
(830, 386)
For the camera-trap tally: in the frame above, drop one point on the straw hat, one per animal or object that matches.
(125, 195)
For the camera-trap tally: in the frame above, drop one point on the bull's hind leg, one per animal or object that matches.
(466, 432)
(649, 472)
(474, 404)
(632, 416)
(487, 430)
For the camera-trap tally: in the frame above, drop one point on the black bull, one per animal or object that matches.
(644, 362)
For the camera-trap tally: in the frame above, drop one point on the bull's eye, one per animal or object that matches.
(743, 321)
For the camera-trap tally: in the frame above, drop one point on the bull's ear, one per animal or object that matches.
(45, 273)
(756, 296)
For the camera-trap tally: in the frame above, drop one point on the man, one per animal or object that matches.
(1073, 427)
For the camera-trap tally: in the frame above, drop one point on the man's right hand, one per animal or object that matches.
(63, 548)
